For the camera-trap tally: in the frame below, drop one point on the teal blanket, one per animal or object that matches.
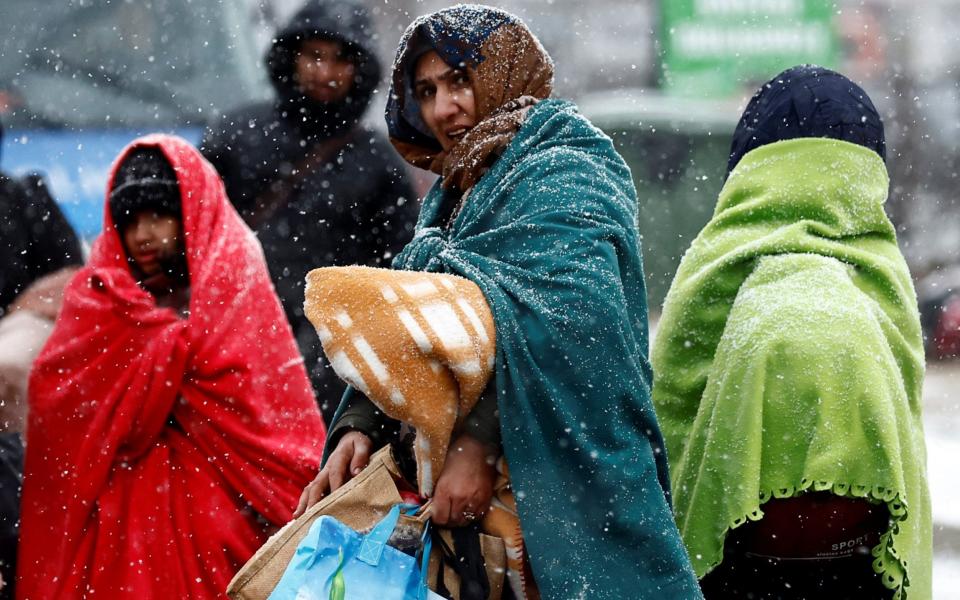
(789, 356)
(549, 235)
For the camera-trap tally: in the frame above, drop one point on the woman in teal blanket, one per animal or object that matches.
(535, 207)
(789, 364)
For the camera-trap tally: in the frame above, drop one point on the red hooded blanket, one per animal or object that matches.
(160, 448)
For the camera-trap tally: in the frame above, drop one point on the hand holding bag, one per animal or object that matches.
(360, 504)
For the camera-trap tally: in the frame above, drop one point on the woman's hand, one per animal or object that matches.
(465, 486)
(349, 458)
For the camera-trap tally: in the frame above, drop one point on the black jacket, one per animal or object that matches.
(11, 480)
(353, 205)
(35, 238)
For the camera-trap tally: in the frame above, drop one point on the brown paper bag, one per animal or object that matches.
(360, 504)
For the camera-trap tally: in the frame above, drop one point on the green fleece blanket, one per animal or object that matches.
(549, 234)
(789, 356)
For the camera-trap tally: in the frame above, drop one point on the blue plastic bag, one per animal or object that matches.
(334, 562)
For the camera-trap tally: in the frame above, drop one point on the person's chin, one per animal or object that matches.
(325, 95)
(149, 269)
(448, 144)
(157, 283)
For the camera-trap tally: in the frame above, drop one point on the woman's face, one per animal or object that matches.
(323, 71)
(149, 238)
(445, 96)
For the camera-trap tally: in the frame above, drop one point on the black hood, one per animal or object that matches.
(145, 180)
(346, 22)
(804, 102)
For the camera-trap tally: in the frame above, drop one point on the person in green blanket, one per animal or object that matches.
(535, 206)
(789, 363)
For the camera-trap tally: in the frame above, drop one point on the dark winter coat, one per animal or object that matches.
(355, 206)
(11, 478)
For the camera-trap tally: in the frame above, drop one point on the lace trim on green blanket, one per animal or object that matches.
(887, 561)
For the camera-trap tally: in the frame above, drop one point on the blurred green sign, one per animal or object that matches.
(714, 48)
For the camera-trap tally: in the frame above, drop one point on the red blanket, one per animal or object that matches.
(160, 448)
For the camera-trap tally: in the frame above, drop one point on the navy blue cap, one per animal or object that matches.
(803, 102)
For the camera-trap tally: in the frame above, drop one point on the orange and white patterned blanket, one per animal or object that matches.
(421, 346)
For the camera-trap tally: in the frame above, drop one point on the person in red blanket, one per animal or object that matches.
(172, 424)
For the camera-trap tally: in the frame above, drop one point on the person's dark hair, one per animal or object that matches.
(804, 102)
(145, 180)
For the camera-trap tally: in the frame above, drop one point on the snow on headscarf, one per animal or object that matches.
(808, 101)
(509, 70)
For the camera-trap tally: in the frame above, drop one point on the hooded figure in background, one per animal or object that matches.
(789, 363)
(317, 187)
(35, 238)
(534, 206)
(171, 420)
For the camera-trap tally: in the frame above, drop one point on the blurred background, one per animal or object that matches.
(666, 79)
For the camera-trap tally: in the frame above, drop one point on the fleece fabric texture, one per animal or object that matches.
(163, 449)
(419, 345)
(789, 356)
(549, 235)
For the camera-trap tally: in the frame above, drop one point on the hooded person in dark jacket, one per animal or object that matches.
(319, 188)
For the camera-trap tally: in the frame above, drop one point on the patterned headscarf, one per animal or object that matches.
(508, 68)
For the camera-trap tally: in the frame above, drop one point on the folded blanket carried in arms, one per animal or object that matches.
(420, 346)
